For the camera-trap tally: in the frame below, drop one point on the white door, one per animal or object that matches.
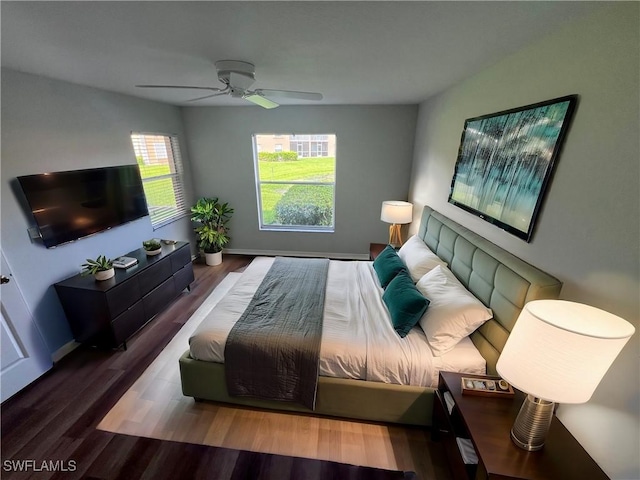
(24, 355)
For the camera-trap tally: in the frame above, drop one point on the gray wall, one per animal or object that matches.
(588, 232)
(49, 126)
(374, 155)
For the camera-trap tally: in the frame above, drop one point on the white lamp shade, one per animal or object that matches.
(559, 351)
(394, 211)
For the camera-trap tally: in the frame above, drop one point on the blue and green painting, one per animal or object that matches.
(505, 160)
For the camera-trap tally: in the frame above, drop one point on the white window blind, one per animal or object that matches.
(158, 157)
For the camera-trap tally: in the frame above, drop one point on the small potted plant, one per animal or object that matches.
(101, 268)
(211, 218)
(152, 247)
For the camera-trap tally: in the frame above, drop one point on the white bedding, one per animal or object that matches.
(358, 339)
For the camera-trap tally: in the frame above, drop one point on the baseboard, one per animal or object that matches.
(64, 350)
(288, 253)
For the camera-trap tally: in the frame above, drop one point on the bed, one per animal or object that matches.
(502, 282)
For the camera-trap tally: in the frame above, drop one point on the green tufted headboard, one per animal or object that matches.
(500, 280)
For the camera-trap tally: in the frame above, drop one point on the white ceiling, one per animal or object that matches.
(353, 52)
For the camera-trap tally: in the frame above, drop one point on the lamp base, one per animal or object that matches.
(395, 237)
(530, 429)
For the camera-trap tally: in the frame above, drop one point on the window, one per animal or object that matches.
(295, 181)
(160, 164)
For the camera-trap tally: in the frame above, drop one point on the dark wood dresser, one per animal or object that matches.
(106, 313)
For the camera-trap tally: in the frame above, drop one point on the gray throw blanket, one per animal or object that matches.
(273, 350)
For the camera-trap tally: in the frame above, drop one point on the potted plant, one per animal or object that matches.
(211, 218)
(152, 247)
(101, 268)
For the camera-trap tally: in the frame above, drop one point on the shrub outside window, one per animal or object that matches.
(158, 157)
(295, 181)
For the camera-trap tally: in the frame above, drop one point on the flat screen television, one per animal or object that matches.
(71, 205)
(506, 160)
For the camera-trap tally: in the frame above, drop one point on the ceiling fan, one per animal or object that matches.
(237, 77)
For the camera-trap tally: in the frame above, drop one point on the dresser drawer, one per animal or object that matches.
(183, 278)
(154, 275)
(158, 298)
(122, 296)
(180, 258)
(128, 322)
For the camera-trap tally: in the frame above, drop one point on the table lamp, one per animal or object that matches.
(557, 352)
(396, 213)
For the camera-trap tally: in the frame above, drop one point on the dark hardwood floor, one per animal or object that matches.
(55, 418)
(52, 422)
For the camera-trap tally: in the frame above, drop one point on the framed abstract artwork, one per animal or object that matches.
(505, 162)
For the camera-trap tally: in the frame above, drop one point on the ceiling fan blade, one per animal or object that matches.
(207, 96)
(290, 94)
(212, 89)
(260, 100)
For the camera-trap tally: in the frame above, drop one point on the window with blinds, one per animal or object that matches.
(160, 164)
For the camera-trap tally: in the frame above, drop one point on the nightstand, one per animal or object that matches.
(483, 425)
(375, 249)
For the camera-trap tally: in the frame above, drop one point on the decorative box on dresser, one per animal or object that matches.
(483, 424)
(106, 313)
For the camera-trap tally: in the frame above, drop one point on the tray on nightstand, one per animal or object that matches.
(488, 387)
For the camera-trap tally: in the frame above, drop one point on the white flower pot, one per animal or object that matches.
(104, 274)
(213, 259)
(151, 253)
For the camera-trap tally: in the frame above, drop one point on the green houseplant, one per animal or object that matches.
(152, 247)
(101, 268)
(211, 218)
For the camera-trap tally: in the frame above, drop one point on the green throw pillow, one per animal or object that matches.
(405, 303)
(387, 265)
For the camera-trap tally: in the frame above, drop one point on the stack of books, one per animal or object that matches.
(124, 262)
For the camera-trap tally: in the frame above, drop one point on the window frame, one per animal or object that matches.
(291, 228)
(174, 155)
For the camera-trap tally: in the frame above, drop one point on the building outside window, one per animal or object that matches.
(311, 145)
(295, 181)
(160, 163)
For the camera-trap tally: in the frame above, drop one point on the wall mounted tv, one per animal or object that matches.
(71, 205)
(505, 162)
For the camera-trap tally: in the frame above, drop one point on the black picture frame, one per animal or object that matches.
(506, 160)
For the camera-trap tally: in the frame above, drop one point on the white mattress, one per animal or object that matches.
(358, 339)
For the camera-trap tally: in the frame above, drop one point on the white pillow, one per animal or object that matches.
(418, 258)
(453, 313)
